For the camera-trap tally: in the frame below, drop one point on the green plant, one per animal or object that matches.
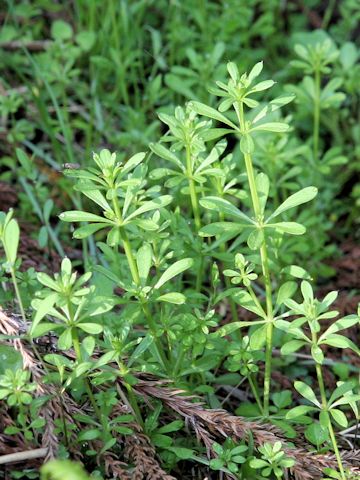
(229, 456)
(273, 460)
(237, 93)
(181, 296)
(312, 311)
(9, 237)
(16, 388)
(57, 469)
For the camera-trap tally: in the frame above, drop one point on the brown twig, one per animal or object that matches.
(33, 46)
(21, 456)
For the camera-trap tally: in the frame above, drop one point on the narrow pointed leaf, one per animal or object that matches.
(210, 112)
(175, 269)
(223, 206)
(143, 261)
(298, 198)
(307, 392)
(159, 202)
(79, 216)
(11, 239)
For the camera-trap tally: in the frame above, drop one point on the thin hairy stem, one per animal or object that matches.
(264, 264)
(15, 284)
(255, 392)
(196, 210)
(136, 278)
(324, 404)
(316, 128)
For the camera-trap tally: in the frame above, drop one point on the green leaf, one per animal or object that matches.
(261, 86)
(258, 338)
(133, 162)
(256, 239)
(307, 392)
(100, 304)
(262, 187)
(164, 153)
(96, 196)
(255, 71)
(339, 341)
(273, 106)
(307, 291)
(172, 297)
(233, 326)
(299, 411)
(42, 308)
(87, 435)
(339, 417)
(292, 228)
(316, 434)
(143, 261)
(339, 391)
(221, 228)
(292, 346)
(87, 230)
(10, 359)
(182, 452)
(341, 324)
(210, 112)
(317, 354)
(175, 269)
(43, 328)
(233, 71)
(47, 281)
(85, 40)
(223, 206)
(296, 271)
(298, 198)
(348, 55)
(93, 328)
(141, 348)
(158, 202)
(61, 30)
(285, 292)
(79, 216)
(11, 240)
(65, 340)
(173, 426)
(277, 127)
(247, 144)
(243, 298)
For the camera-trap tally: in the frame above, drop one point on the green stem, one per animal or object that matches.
(136, 278)
(264, 263)
(192, 188)
(17, 293)
(132, 397)
(255, 393)
(15, 284)
(324, 404)
(179, 361)
(330, 427)
(233, 306)
(269, 329)
(316, 117)
(76, 344)
(195, 209)
(130, 256)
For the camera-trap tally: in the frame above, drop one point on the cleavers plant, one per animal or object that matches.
(167, 266)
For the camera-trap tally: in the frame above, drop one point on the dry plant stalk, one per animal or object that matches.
(211, 423)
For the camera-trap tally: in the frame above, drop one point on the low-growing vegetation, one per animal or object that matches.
(179, 266)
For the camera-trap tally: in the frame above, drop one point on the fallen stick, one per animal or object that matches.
(34, 46)
(21, 456)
